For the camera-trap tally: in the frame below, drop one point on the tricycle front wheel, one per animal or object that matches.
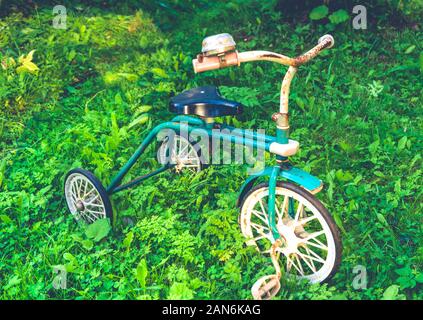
(86, 197)
(311, 245)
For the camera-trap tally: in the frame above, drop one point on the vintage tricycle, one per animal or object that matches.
(280, 216)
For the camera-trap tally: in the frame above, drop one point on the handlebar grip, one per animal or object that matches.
(202, 63)
(327, 38)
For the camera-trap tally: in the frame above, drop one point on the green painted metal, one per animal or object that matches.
(304, 179)
(178, 127)
(190, 120)
(249, 134)
(293, 174)
(140, 179)
(282, 136)
(291, 208)
(271, 201)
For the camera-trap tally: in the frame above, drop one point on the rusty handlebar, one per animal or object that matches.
(206, 63)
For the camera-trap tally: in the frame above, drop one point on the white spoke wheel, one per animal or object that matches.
(180, 152)
(311, 245)
(86, 197)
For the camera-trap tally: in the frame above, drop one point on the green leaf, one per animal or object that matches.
(402, 143)
(118, 99)
(344, 176)
(410, 49)
(180, 291)
(98, 229)
(159, 72)
(142, 109)
(87, 244)
(140, 120)
(128, 240)
(374, 146)
(141, 272)
(15, 280)
(379, 174)
(406, 271)
(381, 219)
(2, 170)
(5, 218)
(69, 257)
(391, 293)
(319, 12)
(419, 278)
(406, 282)
(339, 16)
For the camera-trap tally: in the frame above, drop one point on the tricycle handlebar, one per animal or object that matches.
(235, 58)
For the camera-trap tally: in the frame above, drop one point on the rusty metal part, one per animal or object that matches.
(286, 83)
(249, 56)
(267, 287)
(204, 63)
(326, 41)
(281, 119)
(316, 190)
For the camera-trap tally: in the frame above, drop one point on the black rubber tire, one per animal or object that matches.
(319, 206)
(98, 185)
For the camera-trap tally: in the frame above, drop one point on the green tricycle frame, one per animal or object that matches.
(242, 137)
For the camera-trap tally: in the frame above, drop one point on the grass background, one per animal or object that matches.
(104, 81)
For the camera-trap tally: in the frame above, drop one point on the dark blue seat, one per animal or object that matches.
(204, 102)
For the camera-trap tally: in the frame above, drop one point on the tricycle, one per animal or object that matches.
(281, 216)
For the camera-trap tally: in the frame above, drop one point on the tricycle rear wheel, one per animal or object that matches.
(181, 153)
(86, 197)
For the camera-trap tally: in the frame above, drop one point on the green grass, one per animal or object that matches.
(356, 110)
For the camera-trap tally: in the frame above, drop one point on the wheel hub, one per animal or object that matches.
(80, 206)
(290, 239)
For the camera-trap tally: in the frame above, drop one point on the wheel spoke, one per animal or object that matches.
(284, 207)
(298, 214)
(261, 236)
(308, 262)
(259, 228)
(74, 189)
(314, 235)
(313, 255)
(262, 216)
(262, 205)
(291, 263)
(318, 244)
(181, 151)
(94, 206)
(305, 220)
(81, 181)
(299, 264)
(92, 199)
(85, 189)
(94, 213)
